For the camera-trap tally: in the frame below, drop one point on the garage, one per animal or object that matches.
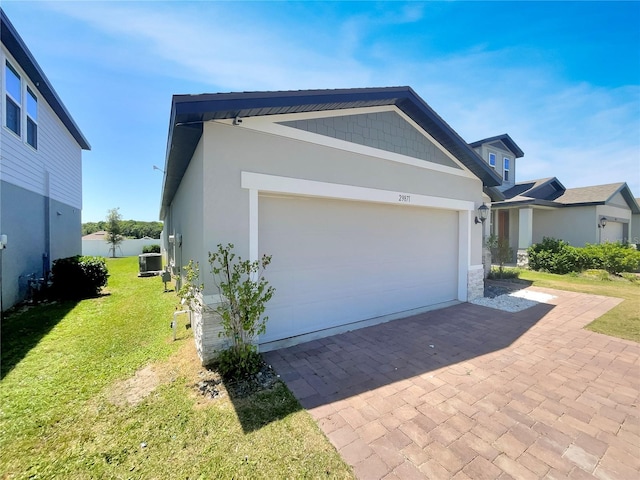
(336, 262)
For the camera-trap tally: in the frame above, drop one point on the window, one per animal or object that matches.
(506, 169)
(492, 159)
(13, 91)
(32, 119)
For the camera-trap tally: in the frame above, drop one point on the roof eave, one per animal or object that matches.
(19, 50)
(189, 112)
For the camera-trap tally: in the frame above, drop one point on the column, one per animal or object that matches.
(525, 235)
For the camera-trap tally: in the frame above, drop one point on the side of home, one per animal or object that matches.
(365, 198)
(40, 171)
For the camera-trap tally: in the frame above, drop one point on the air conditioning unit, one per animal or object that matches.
(150, 264)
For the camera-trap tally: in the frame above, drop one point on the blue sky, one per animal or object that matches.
(562, 79)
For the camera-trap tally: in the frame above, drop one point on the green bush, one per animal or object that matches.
(239, 362)
(151, 249)
(503, 273)
(78, 277)
(613, 257)
(556, 256)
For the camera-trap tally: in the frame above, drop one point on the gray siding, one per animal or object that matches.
(385, 131)
(34, 229)
(55, 168)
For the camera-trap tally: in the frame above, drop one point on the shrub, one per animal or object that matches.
(151, 249)
(78, 277)
(501, 273)
(245, 293)
(613, 257)
(555, 256)
(239, 362)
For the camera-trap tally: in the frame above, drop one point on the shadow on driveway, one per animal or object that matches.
(338, 367)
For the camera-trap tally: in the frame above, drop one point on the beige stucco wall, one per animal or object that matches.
(228, 150)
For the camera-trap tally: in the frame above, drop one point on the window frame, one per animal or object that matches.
(9, 99)
(506, 168)
(494, 157)
(32, 119)
(27, 117)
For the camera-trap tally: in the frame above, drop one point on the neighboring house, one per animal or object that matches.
(40, 171)
(525, 212)
(365, 198)
(635, 226)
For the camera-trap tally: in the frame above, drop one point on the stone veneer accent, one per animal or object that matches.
(522, 259)
(475, 284)
(206, 328)
(486, 261)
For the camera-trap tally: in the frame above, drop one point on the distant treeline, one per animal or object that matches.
(130, 228)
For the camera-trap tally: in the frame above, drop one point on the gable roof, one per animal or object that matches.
(18, 49)
(188, 112)
(551, 193)
(505, 139)
(598, 195)
(544, 189)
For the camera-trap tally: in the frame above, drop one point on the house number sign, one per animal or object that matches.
(404, 198)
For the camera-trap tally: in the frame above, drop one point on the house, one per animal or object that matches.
(525, 212)
(40, 171)
(365, 198)
(635, 226)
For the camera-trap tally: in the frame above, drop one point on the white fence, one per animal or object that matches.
(128, 247)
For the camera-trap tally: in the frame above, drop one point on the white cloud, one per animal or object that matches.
(582, 134)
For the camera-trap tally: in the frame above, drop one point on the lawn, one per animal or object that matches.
(97, 389)
(622, 321)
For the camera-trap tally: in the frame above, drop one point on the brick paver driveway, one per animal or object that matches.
(473, 392)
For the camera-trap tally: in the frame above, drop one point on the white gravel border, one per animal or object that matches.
(514, 301)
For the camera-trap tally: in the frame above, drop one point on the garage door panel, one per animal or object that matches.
(337, 262)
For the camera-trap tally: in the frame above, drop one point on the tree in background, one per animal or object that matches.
(130, 228)
(113, 227)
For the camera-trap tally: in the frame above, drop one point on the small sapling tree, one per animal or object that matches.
(501, 252)
(244, 294)
(113, 228)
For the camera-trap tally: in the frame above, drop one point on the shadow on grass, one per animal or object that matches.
(262, 407)
(24, 327)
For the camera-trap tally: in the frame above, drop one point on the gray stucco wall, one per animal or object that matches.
(185, 217)
(384, 130)
(25, 218)
(635, 229)
(575, 225)
(229, 150)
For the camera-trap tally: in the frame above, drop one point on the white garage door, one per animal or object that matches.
(336, 262)
(613, 232)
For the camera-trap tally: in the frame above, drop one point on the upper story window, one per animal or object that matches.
(13, 90)
(21, 106)
(506, 169)
(492, 159)
(32, 119)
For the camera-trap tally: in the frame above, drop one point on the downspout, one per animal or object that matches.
(47, 225)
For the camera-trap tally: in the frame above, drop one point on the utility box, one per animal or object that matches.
(150, 264)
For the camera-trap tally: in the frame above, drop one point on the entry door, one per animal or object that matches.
(503, 225)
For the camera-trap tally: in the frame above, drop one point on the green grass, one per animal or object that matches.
(622, 321)
(60, 417)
